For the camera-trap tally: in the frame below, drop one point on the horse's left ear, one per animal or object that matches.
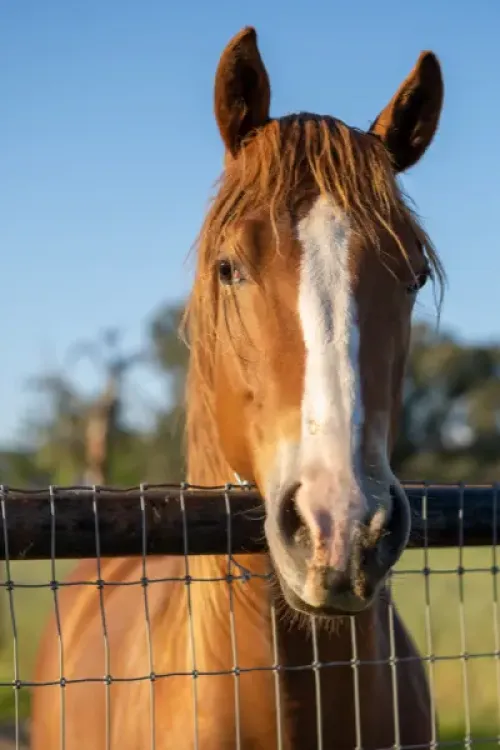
(409, 122)
(242, 92)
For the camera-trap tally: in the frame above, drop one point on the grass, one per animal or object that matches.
(29, 605)
(461, 687)
(451, 613)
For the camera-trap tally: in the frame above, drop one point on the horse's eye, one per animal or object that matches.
(419, 282)
(229, 273)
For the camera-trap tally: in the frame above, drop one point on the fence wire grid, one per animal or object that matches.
(50, 528)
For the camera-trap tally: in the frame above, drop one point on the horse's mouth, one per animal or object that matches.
(313, 589)
(346, 603)
(311, 585)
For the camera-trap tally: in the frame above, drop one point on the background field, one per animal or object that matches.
(453, 685)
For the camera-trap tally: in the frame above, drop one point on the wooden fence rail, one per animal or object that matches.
(85, 522)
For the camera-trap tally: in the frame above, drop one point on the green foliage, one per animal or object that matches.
(18, 468)
(57, 429)
(450, 425)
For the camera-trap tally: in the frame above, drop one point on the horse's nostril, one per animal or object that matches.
(395, 493)
(290, 522)
(397, 524)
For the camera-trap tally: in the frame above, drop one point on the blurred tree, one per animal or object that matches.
(57, 431)
(450, 427)
(74, 439)
(170, 355)
(103, 428)
(81, 440)
(18, 468)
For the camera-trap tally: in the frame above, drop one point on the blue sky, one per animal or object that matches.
(109, 150)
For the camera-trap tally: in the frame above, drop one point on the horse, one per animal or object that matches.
(308, 264)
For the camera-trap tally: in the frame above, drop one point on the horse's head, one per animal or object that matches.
(309, 265)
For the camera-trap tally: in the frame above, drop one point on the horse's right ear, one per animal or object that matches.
(242, 93)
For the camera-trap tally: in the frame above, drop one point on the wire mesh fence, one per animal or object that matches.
(445, 588)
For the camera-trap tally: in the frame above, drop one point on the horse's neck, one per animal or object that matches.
(208, 467)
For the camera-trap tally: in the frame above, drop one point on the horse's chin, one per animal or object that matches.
(347, 605)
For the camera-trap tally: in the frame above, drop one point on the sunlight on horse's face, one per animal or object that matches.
(313, 326)
(321, 336)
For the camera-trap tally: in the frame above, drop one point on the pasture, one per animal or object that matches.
(32, 603)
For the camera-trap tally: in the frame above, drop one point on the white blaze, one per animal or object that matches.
(332, 410)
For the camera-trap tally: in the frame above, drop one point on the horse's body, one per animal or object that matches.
(336, 517)
(130, 703)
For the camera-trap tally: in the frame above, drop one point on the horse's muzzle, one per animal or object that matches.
(333, 557)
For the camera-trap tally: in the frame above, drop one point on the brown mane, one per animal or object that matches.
(351, 166)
